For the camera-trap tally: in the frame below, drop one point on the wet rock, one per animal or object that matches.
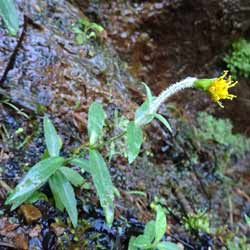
(30, 213)
(49, 71)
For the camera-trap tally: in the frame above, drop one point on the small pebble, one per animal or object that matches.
(30, 213)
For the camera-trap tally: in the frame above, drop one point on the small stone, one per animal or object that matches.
(21, 242)
(141, 186)
(34, 232)
(30, 213)
(57, 229)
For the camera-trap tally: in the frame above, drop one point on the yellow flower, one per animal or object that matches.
(219, 88)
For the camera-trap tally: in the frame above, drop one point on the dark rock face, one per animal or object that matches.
(45, 66)
(170, 39)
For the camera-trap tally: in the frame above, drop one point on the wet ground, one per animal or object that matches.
(44, 70)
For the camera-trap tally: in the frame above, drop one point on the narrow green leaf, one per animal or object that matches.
(72, 176)
(52, 139)
(247, 219)
(103, 184)
(164, 121)
(65, 192)
(149, 230)
(34, 179)
(96, 118)
(55, 192)
(82, 163)
(167, 246)
(134, 141)
(160, 224)
(9, 13)
(149, 93)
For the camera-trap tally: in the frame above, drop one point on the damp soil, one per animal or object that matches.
(43, 70)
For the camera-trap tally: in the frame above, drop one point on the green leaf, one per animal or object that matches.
(84, 21)
(160, 224)
(149, 230)
(72, 176)
(164, 121)
(9, 13)
(142, 241)
(149, 93)
(143, 115)
(83, 164)
(55, 192)
(103, 184)
(77, 30)
(96, 118)
(131, 245)
(52, 139)
(167, 246)
(247, 219)
(231, 245)
(96, 27)
(36, 196)
(91, 35)
(64, 192)
(34, 179)
(134, 141)
(45, 154)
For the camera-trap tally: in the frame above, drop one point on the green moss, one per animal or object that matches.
(238, 60)
(198, 222)
(220, 131)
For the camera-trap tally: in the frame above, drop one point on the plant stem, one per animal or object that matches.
(98, 146)
(156, 103)
(82, 146)
(111, 140)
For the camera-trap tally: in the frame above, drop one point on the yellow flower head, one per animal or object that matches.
(219, 88)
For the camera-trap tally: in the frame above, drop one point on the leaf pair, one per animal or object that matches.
(51, 169)
(37, 176)
(60, 182)
(96, 165)
(147, 111)
(143, 115)
(153, 233)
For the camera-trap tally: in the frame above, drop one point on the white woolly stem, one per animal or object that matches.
(186, 83)
(173, 89)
